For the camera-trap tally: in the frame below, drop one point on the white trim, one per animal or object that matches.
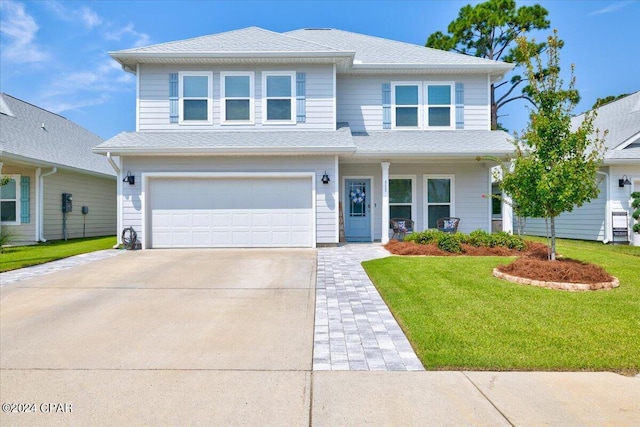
(36, 194)
(223, 98)
(418, 106)
(16, 178)
(371, 202)
(452, 105)
(336, 195)
(292, 98)
(137, 97)
(335, 99)
(209, 75)
(488, 113)
(147, 177)
(608, 231)
(452, 195)
(633, 138)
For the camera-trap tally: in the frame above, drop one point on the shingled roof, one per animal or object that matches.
(32, 134)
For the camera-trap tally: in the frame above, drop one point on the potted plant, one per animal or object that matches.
(635, 205)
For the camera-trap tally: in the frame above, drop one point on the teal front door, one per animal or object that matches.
(357, 221)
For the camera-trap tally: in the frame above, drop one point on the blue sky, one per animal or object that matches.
(54, 53)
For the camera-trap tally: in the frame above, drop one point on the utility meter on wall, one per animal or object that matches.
(66, 202)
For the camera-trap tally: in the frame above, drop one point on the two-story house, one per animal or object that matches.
(256, 138)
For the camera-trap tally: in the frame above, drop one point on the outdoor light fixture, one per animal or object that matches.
(129, 178)
(623, 181)
(325, 178)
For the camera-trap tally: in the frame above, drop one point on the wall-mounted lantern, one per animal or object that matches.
(623, 181)
(129, 178)
(325, 178)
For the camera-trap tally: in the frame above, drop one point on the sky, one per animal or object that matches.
(54, 54)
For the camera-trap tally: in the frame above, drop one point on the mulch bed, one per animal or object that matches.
(532, 262)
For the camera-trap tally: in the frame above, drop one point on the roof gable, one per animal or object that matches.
(622, 120)
(37, 135)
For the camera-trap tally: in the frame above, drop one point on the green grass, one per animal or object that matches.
(25, 256)
(458, 316)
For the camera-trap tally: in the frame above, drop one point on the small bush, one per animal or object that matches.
(479, 238)
(507, 240)
(450, 243)
(424, 237)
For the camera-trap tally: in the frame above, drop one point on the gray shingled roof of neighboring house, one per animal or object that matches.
(230, 142)
(622, 119)
(376, 50)
(454, 143)
(60, 142)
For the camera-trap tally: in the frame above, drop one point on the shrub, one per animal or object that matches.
(450, 243)
(424, 237)
(479, 238)
(507, 240)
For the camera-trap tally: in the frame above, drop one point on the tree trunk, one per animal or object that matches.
(494, 109)
(553, 238)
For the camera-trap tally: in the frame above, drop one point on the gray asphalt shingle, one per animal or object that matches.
(60, 142)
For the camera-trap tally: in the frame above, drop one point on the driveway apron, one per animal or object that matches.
(162, 337)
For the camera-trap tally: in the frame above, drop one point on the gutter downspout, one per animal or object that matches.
(607, 209)
(118, 200)
(41, 203)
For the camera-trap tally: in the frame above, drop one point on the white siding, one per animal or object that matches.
(359, 99)
(99, 194)
(325, 198)
(154, 97)
(471, 183)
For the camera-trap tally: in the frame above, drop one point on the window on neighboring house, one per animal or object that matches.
(237, 97)
(439, 195)
(195, 97)
(401, 196)
(406, 104)
(10, 201)
(279, 94)
(439, 105)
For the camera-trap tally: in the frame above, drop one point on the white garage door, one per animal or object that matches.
(231, 212)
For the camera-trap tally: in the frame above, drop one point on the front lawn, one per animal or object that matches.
(25, 256)
(458, 316)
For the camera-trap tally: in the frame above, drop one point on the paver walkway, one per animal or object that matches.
(354, 328)
(62, 264)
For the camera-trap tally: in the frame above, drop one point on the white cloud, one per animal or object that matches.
(141, 39)
(90, 18)
(68, 105)
(611, 8)
(19, 29)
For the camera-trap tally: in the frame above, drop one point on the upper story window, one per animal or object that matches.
(196, 97)
(10, 201)
(405, 98)
(279, 94)
(237, 97)
(440, 109)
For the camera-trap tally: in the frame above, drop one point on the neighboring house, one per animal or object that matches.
(256, 138)
(619, 176)
(46, 155)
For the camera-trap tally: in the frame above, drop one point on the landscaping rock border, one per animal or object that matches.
(558, 285)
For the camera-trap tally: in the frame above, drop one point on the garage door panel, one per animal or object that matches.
(231, 212)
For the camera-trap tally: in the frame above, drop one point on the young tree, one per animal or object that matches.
(555, 167)
(489, 30)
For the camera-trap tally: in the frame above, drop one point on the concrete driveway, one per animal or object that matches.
(162, 337)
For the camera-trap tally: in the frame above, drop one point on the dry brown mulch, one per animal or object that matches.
(562, 270)
(532, 262)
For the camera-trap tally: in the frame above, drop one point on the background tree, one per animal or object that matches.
(607, 99)
(489, 30)
(555, 167)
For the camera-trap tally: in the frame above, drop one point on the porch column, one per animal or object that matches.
(385, 202)
(507, 213)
